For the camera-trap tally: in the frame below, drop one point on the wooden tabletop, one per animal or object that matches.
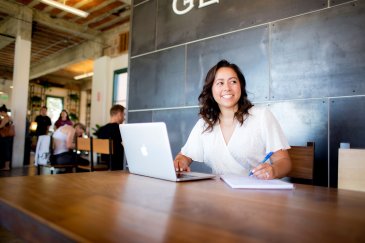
(117, 207)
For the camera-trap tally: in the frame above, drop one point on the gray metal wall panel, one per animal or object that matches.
(226, 16)
(137, 1)
(320, 54)
(306, 121)
(140, 116)
(157, 80)
(143, 28)
(347, 124)
(248, 49)
(179, 125)
(336, 2)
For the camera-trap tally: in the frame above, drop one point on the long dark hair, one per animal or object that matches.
(67, 117)
(209, 109)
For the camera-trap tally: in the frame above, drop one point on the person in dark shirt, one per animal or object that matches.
(111, 130)
(43, 122)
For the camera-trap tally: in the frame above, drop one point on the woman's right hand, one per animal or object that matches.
(182, 163)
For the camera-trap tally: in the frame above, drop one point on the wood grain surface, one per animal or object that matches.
(120, 207)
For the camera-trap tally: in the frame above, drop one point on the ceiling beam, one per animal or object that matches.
(87, 50)
(124, 15)
(65, 26)
(106, 14)
(5, 41)
(14, 9)
(126, 1)
(7, 27)
(10, 8)
(81, 3)
(33, 3)
(7, 32)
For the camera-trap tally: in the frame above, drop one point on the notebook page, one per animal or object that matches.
(251, 182)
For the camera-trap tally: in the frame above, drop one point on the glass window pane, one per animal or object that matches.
(54, 108)
(120, 87)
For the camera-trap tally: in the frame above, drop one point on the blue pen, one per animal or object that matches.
(263, 161)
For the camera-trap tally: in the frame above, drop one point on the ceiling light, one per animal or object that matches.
(85, 75)
(66, 8)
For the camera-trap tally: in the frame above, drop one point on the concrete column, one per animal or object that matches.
(101, 98)
(102, 87)
(19, 99)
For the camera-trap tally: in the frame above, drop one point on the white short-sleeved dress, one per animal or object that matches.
(249, 144)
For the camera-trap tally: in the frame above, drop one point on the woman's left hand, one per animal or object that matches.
(264, 171)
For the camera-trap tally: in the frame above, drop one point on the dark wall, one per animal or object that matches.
(303, 59)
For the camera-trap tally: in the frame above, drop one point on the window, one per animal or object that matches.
(54, 107)
(120, 87)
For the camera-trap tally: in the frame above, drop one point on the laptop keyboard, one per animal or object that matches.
(183, 175)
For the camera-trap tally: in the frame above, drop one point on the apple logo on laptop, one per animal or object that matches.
(144, 150)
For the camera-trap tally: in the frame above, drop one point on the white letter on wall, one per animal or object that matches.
(190, 7)
(204, 3)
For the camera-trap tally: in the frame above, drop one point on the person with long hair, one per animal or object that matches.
(233, 136)
(64, 142)
(63, 119)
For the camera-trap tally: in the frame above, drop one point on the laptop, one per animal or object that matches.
(148, 152)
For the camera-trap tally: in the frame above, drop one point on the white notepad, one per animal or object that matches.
(236, 181)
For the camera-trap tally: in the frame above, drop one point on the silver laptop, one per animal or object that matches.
(148, 152)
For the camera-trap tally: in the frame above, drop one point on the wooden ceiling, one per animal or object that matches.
(54, 32)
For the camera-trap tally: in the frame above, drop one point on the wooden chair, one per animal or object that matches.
(351, 169)
(98, 146)
(302, 158)
(48, 154)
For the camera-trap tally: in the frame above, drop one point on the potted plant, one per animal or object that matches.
(73, 117)
(36, 99)
(96, 129)
(73, 97)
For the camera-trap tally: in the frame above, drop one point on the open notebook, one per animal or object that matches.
(236, 181)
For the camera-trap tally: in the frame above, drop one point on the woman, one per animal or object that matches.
(64, 119)
(232, 135)
(64, 141)
(6, 142)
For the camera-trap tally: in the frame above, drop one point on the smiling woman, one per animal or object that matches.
(233, 136)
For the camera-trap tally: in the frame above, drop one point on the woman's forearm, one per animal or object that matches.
(281, 167)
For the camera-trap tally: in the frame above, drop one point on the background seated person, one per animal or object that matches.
(64, 139)
(111, 130)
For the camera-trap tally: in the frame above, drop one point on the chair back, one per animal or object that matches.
(95, 145)
(83, 144)
(302, 158)
(102, 146)
(351, 168)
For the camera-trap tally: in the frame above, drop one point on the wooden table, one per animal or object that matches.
(117, 207)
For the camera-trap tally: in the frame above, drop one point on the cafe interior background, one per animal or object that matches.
(304, 60)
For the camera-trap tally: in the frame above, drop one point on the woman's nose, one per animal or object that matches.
(226, 86)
